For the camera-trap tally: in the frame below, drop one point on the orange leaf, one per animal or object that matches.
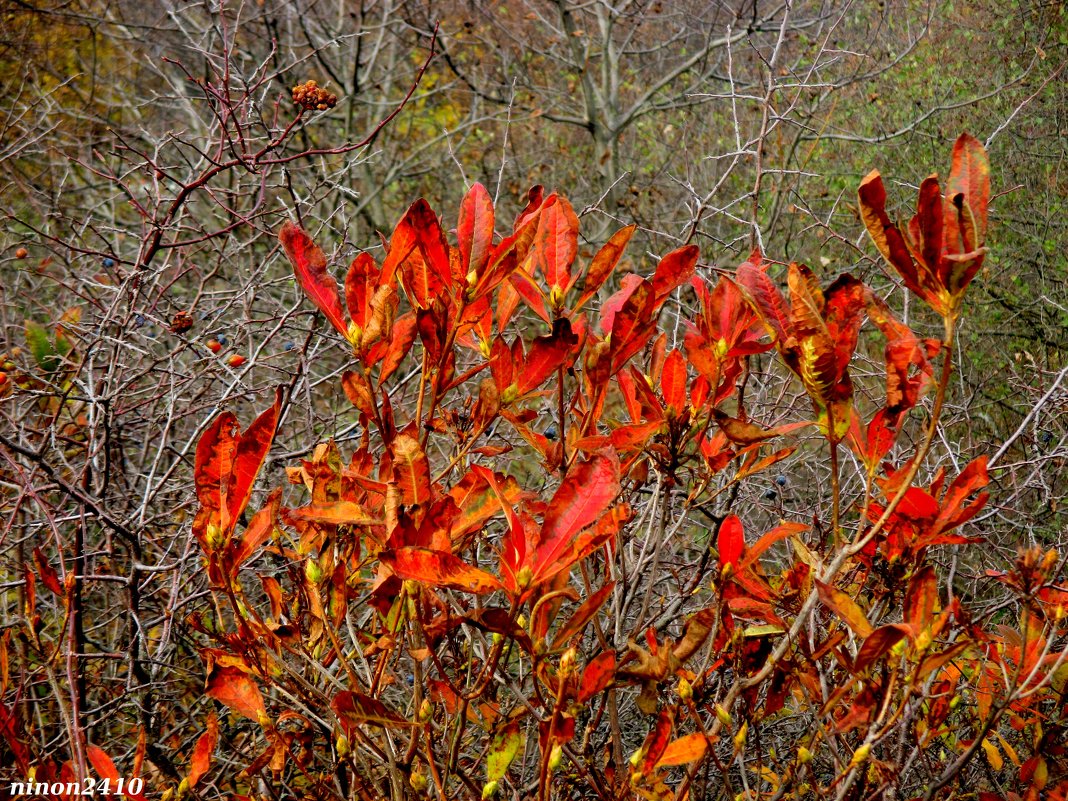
(439, 569)
(684, 750)
(236, 689)
(921, 599)
(673, 381)
(309, 264)
(598, 674)
(411, 470)
(200, 762)
(969, 176)
(845, 607)
(604, 263)
(336, 513)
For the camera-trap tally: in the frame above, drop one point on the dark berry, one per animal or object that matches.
(109, 263)
(781, 480)
(771, 495)
(550, 432)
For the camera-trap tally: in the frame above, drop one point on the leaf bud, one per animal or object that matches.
(426, 710)
(342, 746)
(860, 754)
(489, 790)
(524, 577)
(741, 736)
(684, 690)
(417, 781)
(1049, 560)
(214, 536)
(556, 756)
(312, 571)
(724, 716)
(804, 756)
(567, 662)
(183, 789)
(353, 334)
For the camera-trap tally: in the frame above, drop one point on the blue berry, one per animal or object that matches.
(771, 495)
(109, 263)
(289, 346)
(780, 480)
(223, 340)
(139, 320)
(550, 432)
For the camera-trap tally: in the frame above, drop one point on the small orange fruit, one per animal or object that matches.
(236, 360)
(21, 253)
(213, 345)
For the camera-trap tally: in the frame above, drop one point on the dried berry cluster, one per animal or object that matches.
(311, 97)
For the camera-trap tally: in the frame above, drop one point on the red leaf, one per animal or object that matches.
(8, 729)
(674, 270)
(611, 307)
(583, 615)
(969, 176)
(885, 235)
(928, 222)
(604, 263)
(200, 762)
(213, 461)
(474, 230)
(354, 710)
(586, 492)
(236, 689)
(547, 355)
(673, 381)
(439, 569)
(400, 343)
(597, 676)
(555, 243)
(877, 644)
(765, 297)
(258, 531)
(309, 264)
(731, 541)
(360, 286)
(417, 248)
(411, 470)
(251, 450)
(47, 572)
(656, 741)
(633, 325)
(972, 478)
